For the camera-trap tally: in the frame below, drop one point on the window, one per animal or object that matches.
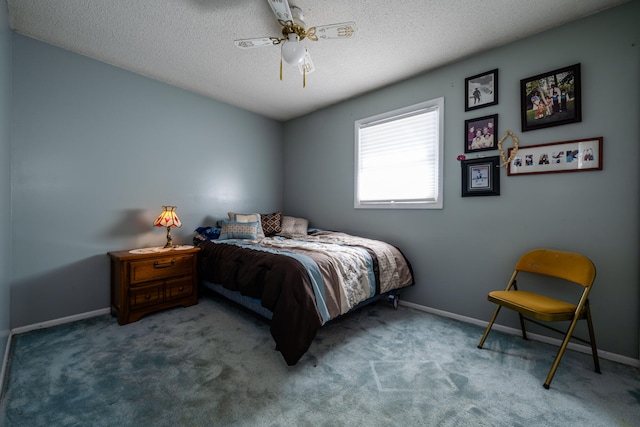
(399, 158)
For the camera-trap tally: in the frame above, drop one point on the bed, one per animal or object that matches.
(299, 278)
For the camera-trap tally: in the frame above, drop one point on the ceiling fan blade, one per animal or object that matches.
(343, 30)
(281, 9)
(306, 65)
(259, 42)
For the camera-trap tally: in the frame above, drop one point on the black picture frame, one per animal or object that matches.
(481, 90)
(550, 99)
(481, 177)
(481, 134)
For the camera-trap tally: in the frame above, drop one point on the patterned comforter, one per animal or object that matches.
(306, 281)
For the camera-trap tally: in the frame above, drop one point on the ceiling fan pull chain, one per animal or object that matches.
(281, 68)
(304, 77)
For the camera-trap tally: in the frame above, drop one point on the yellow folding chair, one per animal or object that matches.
(533, 307)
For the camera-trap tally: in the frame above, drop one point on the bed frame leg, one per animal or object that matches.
(394, 299)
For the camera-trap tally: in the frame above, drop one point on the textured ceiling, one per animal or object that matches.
(189, 43)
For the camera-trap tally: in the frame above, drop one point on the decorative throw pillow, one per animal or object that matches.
(250, 217)
(210, 233)
(294, 227)
(238, 230)
(271, 223)
(205, 233)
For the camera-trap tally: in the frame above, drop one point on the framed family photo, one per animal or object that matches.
(480, 133)
(551, 99)
(481, 177)
(565, 156)
(481, 90)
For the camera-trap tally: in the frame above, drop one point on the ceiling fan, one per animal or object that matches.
(294, 31)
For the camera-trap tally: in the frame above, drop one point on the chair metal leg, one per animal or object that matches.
(592, 341)
(524, 331)
(563, 347)
(486, 332)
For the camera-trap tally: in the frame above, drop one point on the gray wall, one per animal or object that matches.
(5, 176)
(97, 151)
(468, 248)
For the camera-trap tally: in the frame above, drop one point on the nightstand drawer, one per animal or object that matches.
(160, 268)
(178, 288)
(146, 295)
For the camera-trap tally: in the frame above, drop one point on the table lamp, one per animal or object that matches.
(168, 218)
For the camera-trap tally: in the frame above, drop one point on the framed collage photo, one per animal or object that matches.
(481, 90)
(480, 134)
(565, 156)
(481, 177)
(551, 99)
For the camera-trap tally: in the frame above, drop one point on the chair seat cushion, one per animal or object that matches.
(527, 302)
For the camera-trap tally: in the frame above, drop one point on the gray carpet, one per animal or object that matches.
(215, 365)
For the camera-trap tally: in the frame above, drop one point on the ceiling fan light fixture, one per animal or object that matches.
(292, 50)
(294, 31)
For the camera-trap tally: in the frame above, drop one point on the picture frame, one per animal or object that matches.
(566, 156)
(553, 98)
(481, 177)
(480, 134)
(481, 90)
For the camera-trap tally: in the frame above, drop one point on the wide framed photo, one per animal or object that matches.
(481, 177)
(480, 133)
(566, 156)
(481, 90)
(551, 99)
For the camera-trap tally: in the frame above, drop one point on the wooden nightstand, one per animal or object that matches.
(142, 283)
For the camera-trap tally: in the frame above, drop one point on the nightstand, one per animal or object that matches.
(146, 281)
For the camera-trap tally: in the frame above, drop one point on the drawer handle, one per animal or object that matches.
(147, 296)
(156, 264)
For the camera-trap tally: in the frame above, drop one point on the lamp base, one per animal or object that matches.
(169, 239)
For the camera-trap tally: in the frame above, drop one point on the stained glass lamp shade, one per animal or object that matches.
(168, 218)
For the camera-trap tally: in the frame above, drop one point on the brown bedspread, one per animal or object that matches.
(284, 287)
(282, 284)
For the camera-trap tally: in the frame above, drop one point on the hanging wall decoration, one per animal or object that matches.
(551, 99)
(480, 133)
(481, 90)
(566, 156)
(512, 151)
(481, 177)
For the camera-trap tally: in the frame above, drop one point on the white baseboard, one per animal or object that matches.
(47, 324)
(5, 363)
(513, 331)
(61, 321)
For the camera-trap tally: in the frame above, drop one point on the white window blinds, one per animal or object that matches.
(398, 158)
